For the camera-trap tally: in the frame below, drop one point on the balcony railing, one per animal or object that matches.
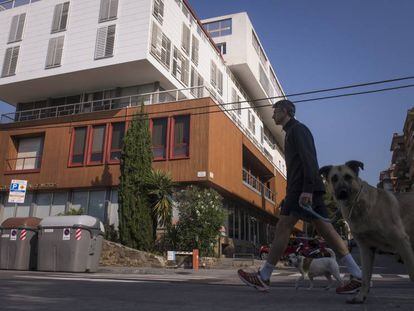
(23, 164)
(9, 4)
(106, 104)
(256, 185)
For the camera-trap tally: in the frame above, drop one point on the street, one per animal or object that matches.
(187, 290)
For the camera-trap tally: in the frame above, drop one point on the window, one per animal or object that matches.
(108, 10)
(60, 17)
(16, 29)
(180, 68)
(235, 98)
(160, 46)
(158, 10)
(105, 40)
(97, 145)
(78, 146)
(219, 28)
(185, 39)
(10, 61)
(259, 49)
(194, 50)
(222, 47)
(180, 136)
(96, 206)
(116, 141)
(29, 153)
(213, 74)
(159, 138)
(264, 81)
(43, 202)
(219, 82)
(59, 203)
(231, 222)
(196, 80)
(80, 201)
(54, 52)
(252, 122)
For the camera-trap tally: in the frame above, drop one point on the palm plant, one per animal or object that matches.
(160, 189)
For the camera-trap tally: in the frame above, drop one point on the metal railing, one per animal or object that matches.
(107, 104)
(21, 164)
(254, 183)
(10, 4)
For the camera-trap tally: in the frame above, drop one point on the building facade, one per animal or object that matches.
(76, 71)
(400, 176)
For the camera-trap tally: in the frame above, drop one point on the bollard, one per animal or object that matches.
(195, 259)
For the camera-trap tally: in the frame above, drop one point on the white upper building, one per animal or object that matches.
(59, 53)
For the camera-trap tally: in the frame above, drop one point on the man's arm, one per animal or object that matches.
(307, 153)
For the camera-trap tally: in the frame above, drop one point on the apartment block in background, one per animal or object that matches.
(78, 71)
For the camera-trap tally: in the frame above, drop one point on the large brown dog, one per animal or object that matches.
(378, 219)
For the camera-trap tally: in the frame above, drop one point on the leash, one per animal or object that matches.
(308, 208)
(355, 201)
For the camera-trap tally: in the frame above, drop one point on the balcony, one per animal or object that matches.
(256, 185)
(27, 164)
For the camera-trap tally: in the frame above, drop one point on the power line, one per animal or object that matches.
(243, 108)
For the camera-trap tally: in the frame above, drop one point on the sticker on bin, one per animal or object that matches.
(48, 230)
(13, 235)
(66, 234)
(23, 234)
(5, 236)
(78, 234)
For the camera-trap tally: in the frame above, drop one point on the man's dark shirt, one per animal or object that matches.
(301, 161)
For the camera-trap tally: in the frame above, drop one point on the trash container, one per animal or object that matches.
(18, 243)
(70, 244)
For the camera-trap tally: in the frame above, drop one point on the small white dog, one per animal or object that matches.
(313, 267)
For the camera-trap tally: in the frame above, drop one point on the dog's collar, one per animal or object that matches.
(355, 201)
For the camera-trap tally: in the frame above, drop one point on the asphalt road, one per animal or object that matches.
(205, 290)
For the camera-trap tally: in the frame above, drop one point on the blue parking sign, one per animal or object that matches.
(17, 191)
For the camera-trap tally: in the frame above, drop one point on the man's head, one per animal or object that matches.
(284, 110)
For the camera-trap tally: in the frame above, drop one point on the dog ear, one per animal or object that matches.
(355, 166)
(324, 171)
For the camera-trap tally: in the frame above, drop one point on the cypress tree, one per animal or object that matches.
(135, 222)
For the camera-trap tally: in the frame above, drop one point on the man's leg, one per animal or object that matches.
(260, 280)
(283, 231)
(328, 232)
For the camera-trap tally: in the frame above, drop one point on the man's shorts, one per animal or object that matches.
(291, 206)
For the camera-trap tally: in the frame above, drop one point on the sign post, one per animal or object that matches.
(17, 191)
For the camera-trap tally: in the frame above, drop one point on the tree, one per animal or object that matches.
(201, 215)
(160, 190)
(135, 222)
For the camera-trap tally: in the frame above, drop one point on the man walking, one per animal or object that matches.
(304, 187)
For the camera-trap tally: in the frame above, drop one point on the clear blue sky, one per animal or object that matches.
(319, 44)
(323, 43)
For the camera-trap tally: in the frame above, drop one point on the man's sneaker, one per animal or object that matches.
(351, 287)
(253, 279)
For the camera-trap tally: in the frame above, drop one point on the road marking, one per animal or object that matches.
(377, 276)
(404, 276)
(78, 279)
(295, 275)
(275, 273)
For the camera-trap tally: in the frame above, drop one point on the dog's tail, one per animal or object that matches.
(331, 252)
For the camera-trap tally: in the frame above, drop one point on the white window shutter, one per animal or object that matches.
(104, 11)
(113, 9)
(56, 17)
(13, 28)
(64, 17)
(6, 63)
(50, 52)
(100, 42)
(110, 41)
(59, 51)
(20, 26)
(13, 62)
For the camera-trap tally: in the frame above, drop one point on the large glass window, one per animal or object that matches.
(159, 138)
(59, 203)
(80, 201)
(231, 222)
(9, 208)
(219, 28)
(236, 223)
(96, 154)
(23, 209)
(117, 139)
(97, 204)
(181, 136)
(43, 202)
(78, 149)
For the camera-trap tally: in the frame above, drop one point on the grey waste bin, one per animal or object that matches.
(69, 244)
(18, 243)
